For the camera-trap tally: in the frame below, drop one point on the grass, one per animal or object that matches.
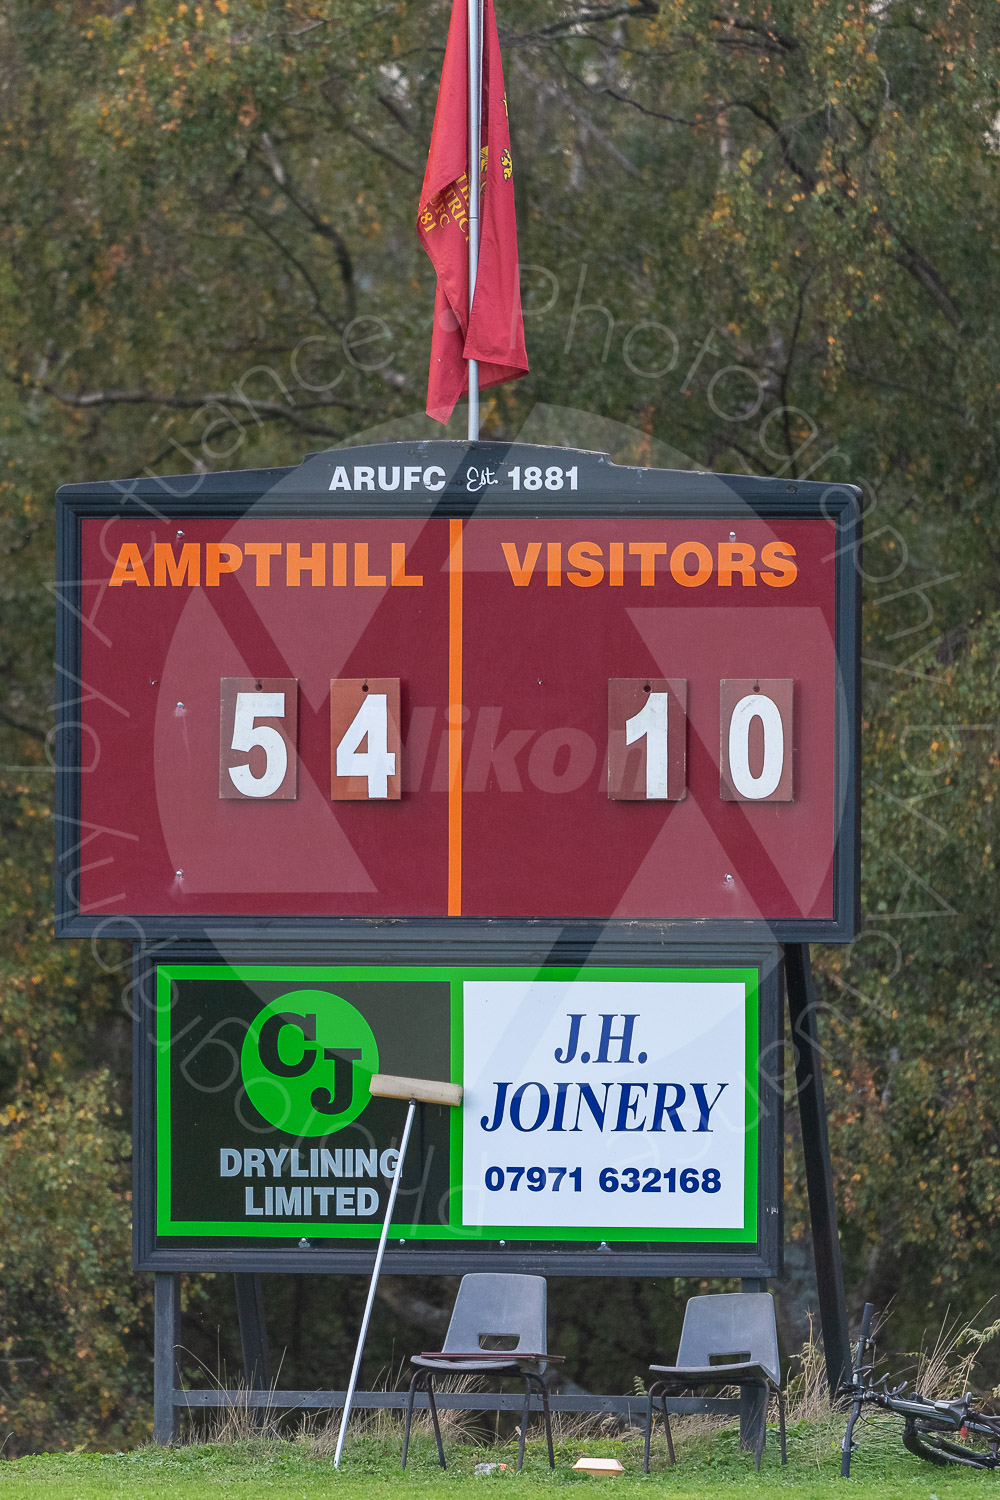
(301, 1467)
(231, 1459)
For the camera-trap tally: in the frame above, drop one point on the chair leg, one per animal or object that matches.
(762, 1430)
(409, 1415)
(543, 1391)
(781, 1424)
(649, 1430)
(524, 1422)
(666, 1428)
(434, 1418)
(657, 1391)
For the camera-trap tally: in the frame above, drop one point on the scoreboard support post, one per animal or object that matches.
(819, 1171)
(166, 1338)
(253, 1330)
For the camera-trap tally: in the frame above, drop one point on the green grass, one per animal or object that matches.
(275, 1469)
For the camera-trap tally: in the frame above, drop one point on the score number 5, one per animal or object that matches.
(257, 760)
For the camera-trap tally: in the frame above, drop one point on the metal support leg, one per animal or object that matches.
(409, 1415)
(666, 1427)
(525, 1409)
(434, 1418)
(546, 1414)
(781, 1425)
(166, 1338)
(762, 1428)
(819, 1173)
(422, 1379)
(657, 1391)
(548, 1423)
(753, 1403)
(753, 1418)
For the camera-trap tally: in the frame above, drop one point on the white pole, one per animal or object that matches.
(475, 118)
(352, 1383)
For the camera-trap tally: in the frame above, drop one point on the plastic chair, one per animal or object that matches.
(726, 1339)
(491, 1309)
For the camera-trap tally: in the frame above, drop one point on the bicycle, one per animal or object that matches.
(926, 1422)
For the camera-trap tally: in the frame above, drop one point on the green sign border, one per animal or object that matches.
(455, 977)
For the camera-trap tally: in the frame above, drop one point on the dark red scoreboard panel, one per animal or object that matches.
(502, 654)
(546, 653)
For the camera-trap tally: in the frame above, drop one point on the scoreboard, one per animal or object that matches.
(458, 684)
(488, 762)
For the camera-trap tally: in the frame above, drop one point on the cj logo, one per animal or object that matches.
(307, 1061)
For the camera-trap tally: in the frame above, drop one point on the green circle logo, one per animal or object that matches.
(307, 1062)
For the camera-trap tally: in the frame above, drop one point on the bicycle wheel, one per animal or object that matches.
(933, 1447)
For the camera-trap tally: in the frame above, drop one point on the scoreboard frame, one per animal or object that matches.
(604, 491)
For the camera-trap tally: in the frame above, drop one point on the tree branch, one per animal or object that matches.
(294, 261)
(21, 725)
(261, 410)
(312, 216)
(911, 260)
(396, 110)
(786, 375)
(643, 109)
(378, 149)
(642, 8)
(781, 134)
(586, 125)
(779, 40)
(906, 390)
(906, 255)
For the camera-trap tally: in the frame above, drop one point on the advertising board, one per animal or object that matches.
(627, 1114)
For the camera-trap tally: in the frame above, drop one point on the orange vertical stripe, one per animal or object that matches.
(455, 711)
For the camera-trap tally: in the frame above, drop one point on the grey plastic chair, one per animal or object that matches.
(726, 1339)
(498, 1312)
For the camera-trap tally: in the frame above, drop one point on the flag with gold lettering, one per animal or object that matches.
(494, 334)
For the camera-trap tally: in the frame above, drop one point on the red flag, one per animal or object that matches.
(495, 333)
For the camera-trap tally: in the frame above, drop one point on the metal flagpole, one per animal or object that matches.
(475, 118)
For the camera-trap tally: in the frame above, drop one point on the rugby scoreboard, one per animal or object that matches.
(435, 682)
(485, 762)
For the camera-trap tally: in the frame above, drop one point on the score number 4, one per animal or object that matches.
(258, 761)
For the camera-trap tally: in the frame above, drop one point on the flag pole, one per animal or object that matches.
(475, 117)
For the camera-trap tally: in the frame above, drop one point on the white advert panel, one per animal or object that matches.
(608, 1107)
